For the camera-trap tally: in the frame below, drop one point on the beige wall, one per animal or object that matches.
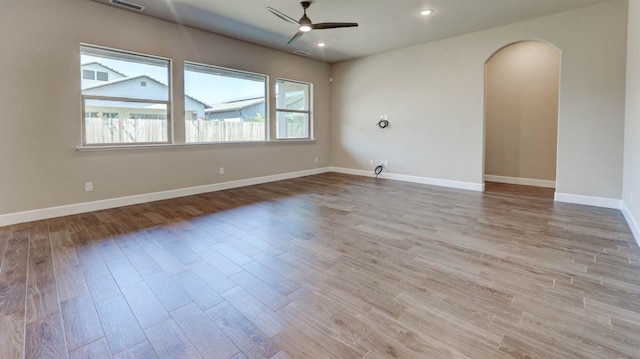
(631, 195)
(521, 104)
(40, 107)
(433, 95)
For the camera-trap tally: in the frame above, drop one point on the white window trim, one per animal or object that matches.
(199, 144)
(309, 112)
(169, 104)
(267, 107)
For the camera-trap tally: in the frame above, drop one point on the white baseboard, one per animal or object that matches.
(415, 179)
(588, 200)
(521, 181)
(635, 229)
(51, 212)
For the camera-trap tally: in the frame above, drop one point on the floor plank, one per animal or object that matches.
(119, 324)
(245, 335)
(81, 322)
(207, 338)
(96, 349)
(170, 342)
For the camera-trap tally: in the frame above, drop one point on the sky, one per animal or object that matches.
(207, 88)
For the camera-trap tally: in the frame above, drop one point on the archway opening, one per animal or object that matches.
(521, 114)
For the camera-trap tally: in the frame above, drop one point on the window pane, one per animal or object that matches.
(291, 95)
(113, 122)
(223, 105)
(88, 75)
(119, 74)
(125, 97)
(292, 125)
(102, 76)
(292, 109)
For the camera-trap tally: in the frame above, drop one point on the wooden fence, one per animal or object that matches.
(220, 131)
(114, 130)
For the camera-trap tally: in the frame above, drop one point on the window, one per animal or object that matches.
(119, 101)
(293, 109)
(223, 105)
(88, 74)
(102, 76)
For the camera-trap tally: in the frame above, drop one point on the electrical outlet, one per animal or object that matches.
(385, 163)
(371, 162)
(316, 160)
(88, 187)
(221, 170)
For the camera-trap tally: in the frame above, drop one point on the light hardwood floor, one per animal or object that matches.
(326, 266)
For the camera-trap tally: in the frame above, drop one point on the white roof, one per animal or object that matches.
(236, 105)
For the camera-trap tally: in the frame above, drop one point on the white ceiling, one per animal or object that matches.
(384, 24)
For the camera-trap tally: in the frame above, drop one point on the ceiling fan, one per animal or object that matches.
(305, 24)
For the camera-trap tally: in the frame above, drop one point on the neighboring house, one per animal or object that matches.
(95, 73)
(100, 80)
(237, 110)
(246, 109)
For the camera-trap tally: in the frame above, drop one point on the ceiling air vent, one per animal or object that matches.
(127, 5)
(302, 53)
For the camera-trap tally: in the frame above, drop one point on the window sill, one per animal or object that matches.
(191, 145)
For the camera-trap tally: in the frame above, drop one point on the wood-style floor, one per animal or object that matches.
(327, 266)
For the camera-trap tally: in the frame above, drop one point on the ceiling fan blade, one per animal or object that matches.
(333, 25)
(284, 17)
(295, 37)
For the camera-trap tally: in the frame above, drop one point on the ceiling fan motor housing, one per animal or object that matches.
(305, 24)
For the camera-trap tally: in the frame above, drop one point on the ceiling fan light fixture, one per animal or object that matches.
(305, 24)
(426, 12)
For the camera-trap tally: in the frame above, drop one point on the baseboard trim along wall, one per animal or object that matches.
(635, 229)
(52, 212)
(415, 179)
(521, 181)
(588, 200)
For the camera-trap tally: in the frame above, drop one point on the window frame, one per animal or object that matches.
(267, 107)
(309, 112)
(168, 103)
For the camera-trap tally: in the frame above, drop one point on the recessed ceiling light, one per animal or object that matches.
(426, 12)
(321, 44)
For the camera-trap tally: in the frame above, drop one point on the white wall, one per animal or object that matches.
(434, 97)
(521, 111)
(631, 191)
(40, 107)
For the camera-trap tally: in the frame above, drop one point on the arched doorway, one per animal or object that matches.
(521, 114)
